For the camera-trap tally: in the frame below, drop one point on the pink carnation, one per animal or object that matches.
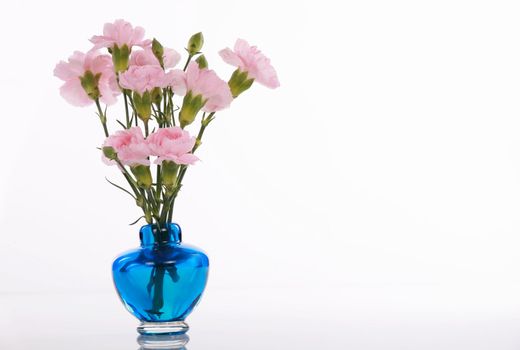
(177, 81)
(76, 67)
(203, 82)
(172, 144)
(146, 57)
(143, 78)
(253, 61)
(120, 33)
(130, 146)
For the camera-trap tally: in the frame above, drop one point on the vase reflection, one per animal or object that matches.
(163, 341)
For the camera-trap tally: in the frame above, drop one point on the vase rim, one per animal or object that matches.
(150, 236)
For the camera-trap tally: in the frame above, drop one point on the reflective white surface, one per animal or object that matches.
(345, 318)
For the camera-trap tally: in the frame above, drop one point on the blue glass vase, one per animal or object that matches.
(162, 281)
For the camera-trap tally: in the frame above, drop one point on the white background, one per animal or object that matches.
(388, 158)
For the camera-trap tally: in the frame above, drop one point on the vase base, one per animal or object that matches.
(163, 341)
(159, 328)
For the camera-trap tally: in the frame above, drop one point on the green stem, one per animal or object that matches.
(135, 187)
(158, 193)
(146, 128)
(168, 198)
(156, 114)
(102, 117)
(170, 94)
(158, 292)
(187, 62)
(128, 125)
(170, 212)
(134, 112)
(204, 124)
(131, 182)
(154, 205)
(178, 186)
(158, 184)
(165, 107)
(170, 100)
(146, 205)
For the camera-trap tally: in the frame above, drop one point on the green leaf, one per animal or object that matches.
(136, 221)
(121, 188)
(123, 125)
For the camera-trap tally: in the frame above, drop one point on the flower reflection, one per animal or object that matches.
(163, 341)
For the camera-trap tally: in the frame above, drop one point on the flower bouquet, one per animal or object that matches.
(160, 282)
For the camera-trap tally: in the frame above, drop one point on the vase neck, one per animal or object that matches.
(150, 235)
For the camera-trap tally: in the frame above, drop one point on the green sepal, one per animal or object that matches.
(169, 174)
(202, 62)
(143, 105)
(120, 57)
(143, 175)
(156, 95)
(90, 82)
(110, 152)
(239, 82)
(139, 201)
(191, 105)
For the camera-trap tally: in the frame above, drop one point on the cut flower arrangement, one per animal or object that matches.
(153, 150)
(142, 71)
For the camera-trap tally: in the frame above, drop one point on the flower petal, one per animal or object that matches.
(73, 93)
(177, 80)
(230, 57)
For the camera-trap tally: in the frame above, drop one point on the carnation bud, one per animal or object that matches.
(195, 43)
(158, 51)
(191, 105)
(202, 62)
(169, 174)
(143, 105)
(143, 175)
(120, 57)
(239, 82)
(110, 152)
(89, 82)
